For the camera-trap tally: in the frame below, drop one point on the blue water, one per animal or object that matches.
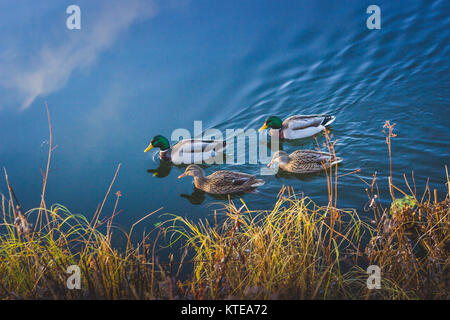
(231, 64)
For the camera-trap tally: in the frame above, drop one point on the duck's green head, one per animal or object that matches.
(158, 142)
(272, 122)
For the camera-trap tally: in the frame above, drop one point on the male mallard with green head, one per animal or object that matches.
(298, 126)
(187, 150)
(222, 182)
(303, 161)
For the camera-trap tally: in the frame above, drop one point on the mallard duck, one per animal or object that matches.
(187, 150)
(222, 182)
(303, 161)
(298, 126)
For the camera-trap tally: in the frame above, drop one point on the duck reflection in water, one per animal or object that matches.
(162, 171)
(198, 196)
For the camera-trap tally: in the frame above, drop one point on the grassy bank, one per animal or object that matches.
(296, 250)
(288, 252)
(293, 252)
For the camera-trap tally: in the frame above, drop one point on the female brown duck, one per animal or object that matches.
(304, 161)
(222, 182)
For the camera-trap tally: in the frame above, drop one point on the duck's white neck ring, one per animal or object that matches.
(164, 154)
(279, 131)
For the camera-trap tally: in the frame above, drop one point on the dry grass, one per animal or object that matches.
(283, 253)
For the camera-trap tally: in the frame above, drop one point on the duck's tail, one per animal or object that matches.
(338, 160)
(328, 120)
(257, 183)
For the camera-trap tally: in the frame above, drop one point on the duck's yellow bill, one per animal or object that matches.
(150, 147)
(182, 176)
(264, 127)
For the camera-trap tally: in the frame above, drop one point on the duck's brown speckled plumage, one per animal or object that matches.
(304, 161)
(222, 182)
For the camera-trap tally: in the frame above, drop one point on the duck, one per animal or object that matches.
(303, 161)
(222, 182)
(186, 151)
(297, 126)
